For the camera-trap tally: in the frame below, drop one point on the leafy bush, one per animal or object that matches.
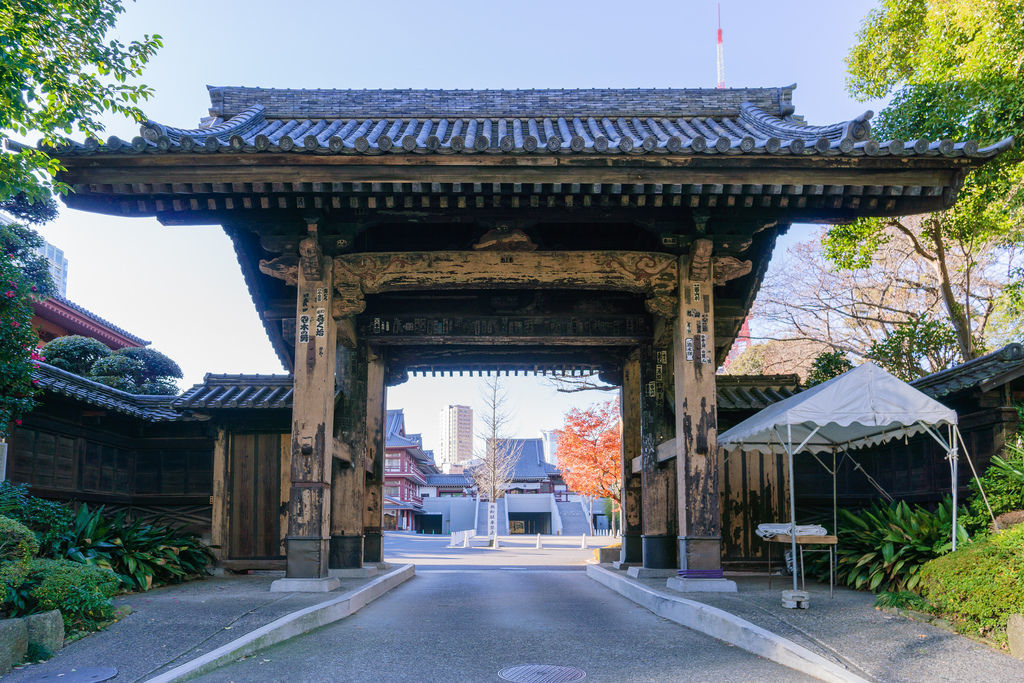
(142, 555)
(118, 371)
(883, 547)
(979, 585)
(75, 353)
(155, 365)
(48, 519)
(826, 365)
(1003, 482)
(17, 542)
(903, 600)
(82, 593)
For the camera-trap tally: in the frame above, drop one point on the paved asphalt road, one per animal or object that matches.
(457, 624)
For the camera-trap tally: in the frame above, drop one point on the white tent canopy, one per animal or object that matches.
(862, 407)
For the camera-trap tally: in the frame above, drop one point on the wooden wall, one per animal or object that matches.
(753, 489)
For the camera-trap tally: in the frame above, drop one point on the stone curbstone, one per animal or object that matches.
(289, 626)
(46, 630)
(1015, 635)
(724, 626)
(13, 643)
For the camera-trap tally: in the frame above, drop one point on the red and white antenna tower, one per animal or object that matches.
(721, 53)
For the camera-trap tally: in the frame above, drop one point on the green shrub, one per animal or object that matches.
(883, 547)
(1003, 482)
(903, 600)
(979, 585)
(119, 372)
(81, 592)
(74, 353)
(17, 542)
(143, 555)
(48, 519)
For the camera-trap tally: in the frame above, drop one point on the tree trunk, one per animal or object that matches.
(956, 312)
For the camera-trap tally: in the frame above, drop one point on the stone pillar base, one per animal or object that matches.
(659, 551)
(632, 549)
(373, 549)
(700, 557)
(346, 552)
(687, 585)
(324, 585)
(305, 557)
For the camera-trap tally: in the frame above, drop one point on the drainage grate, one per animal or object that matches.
(85, 674)
(542, 673)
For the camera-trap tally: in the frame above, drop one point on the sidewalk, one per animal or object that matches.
(850, 632)
(171, 625)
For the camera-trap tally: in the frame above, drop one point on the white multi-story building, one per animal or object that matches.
(550, 439)
(456, 437)
(58, 268)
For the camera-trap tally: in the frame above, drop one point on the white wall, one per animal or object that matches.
(528, 502)
(457, 514)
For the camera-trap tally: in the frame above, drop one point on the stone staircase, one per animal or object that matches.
(481, 519)
(574, 518)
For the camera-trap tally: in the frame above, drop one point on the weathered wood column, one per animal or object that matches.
(349, 479)
(312, 442)
(631, 499)
(373, 496)
(657, 475)
(696, 443)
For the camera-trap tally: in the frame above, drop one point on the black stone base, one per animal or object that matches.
(346, 552)
(700, 556)
(632, 549)
(659, 551)
(305, 558)
(373, 550)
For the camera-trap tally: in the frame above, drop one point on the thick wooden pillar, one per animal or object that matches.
(373, 496)
(348, 480)
(696, 443)
(220, 514)
(631, 499)
(312, 442)
(657, 476)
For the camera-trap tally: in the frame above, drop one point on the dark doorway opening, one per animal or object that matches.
(529, 522)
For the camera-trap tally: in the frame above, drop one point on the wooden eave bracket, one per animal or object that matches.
(666, 451)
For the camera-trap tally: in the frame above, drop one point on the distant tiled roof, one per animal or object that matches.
(447, 480)
(394, 435)
(238, 391)
(150, 408)
(89, 314)
(601, 121)
(754, 392)
(986, 372)
(531, 465)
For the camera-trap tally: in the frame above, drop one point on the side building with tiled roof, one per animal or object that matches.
(406, 468)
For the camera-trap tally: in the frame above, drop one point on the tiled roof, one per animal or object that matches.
(89, 314)
(447, 480)
(238, 391)
(754, 392)
(531, 464)
(394, 436)
(992, 369)
(602, 121)
(143, 407)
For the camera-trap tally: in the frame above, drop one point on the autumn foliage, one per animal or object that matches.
(589, 452)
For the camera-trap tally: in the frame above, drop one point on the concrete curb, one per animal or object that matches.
(724, 626)
(289, 626)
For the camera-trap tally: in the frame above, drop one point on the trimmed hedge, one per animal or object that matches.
(81, 592)
(980, 585)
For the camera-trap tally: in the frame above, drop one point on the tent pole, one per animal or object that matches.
(978, 480)
(952, 454)
(835, 506)
(792, 502)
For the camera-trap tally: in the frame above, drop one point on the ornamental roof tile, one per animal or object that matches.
(754, 392)
(144, 407)
(601, 121)
(988, 371)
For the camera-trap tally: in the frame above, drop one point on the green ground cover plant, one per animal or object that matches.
(883, 547)
(980, 585)
(1003, 482)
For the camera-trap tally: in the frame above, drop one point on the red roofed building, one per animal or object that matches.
(56, 316)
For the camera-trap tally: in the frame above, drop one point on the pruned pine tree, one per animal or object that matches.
(496, 463)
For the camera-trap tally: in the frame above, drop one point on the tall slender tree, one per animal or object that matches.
(496, 463)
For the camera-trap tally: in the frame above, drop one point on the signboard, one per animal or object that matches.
(492, 519)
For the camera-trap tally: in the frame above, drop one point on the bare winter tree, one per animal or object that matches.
(496, 464)
(805, 299)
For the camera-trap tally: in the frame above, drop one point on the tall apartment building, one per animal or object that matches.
(456, 437)
(58, 267)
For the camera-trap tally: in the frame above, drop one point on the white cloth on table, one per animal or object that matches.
(772, 530)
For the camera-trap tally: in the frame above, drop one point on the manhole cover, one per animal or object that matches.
(87, 674)
(542, 673)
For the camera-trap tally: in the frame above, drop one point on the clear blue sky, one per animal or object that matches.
(181, 287)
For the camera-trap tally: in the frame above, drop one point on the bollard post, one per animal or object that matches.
(538, 541)
(496, 544)
(583, 540)
(465, 540)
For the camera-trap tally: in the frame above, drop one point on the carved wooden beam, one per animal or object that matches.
(650, 273)
(700, 259)
(729, 268)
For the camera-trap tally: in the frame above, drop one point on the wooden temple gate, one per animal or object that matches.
(620, 232)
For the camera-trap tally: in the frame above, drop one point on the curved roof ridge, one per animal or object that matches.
(856, 129)
(252, 117)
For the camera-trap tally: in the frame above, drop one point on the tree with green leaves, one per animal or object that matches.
(59, 74)
(826, 365)
(137, 370)
(24, 276)
(952, 70)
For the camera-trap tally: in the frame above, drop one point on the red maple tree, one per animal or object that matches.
(589, 451)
